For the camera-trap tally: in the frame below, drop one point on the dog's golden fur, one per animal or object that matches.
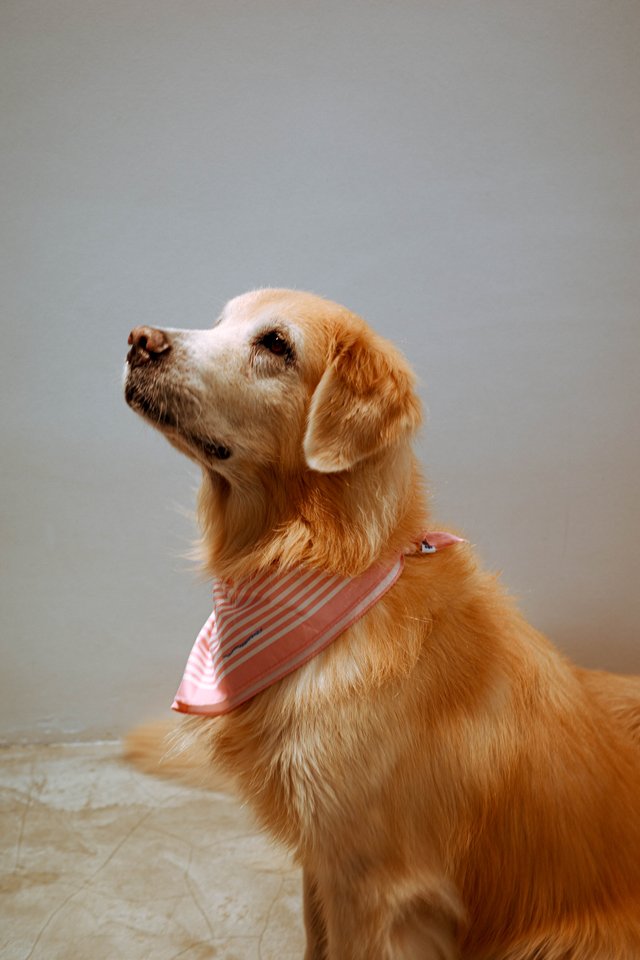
(451, 785)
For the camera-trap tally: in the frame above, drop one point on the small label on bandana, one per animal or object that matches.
(266, 627)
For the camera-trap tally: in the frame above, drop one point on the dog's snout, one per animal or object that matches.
(147, 343)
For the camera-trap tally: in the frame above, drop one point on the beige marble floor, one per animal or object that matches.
(98, 862)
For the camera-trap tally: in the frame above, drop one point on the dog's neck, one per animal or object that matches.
(341, 522)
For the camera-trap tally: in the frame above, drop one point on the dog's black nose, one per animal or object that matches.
(147, 343)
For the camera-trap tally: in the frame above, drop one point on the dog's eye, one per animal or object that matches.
(276, 344)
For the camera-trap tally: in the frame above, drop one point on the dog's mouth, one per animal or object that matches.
(159, 411)
(159, 414)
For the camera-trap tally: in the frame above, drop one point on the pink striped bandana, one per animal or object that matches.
(265, 627)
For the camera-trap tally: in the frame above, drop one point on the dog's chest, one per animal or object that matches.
(301, 762)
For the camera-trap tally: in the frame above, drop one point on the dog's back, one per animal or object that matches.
(619, 695)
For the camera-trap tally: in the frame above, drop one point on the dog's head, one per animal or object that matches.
(301, 418)
(283, 381)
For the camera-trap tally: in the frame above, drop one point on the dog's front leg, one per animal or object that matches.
(314, 923)
(364, 922)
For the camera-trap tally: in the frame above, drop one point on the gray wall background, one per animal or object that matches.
(464, 174)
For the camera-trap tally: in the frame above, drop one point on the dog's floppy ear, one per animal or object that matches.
(365, 401)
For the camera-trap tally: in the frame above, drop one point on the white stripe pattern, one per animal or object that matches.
(266, 628)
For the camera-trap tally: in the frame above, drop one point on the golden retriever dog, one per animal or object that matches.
(450, 784)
